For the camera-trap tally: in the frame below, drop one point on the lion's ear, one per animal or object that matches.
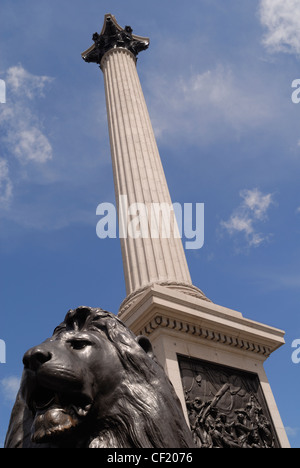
(146, 345)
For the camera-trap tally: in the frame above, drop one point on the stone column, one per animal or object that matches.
(192, 338)
(154, 257)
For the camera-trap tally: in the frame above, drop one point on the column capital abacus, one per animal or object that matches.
(114, 36)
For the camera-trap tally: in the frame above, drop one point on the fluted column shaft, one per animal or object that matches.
(138, 174)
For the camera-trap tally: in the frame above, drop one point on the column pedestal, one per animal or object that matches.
(194, 339)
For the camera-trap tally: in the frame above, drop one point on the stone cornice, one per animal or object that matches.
(228, 339)
(167, 310)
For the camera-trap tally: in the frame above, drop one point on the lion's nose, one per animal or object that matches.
(35, 357)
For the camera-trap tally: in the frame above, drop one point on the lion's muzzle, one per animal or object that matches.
(53, 391)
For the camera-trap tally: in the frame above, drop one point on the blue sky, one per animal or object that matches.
(217, 79)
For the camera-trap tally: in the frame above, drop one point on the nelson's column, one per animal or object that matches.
(213, 355)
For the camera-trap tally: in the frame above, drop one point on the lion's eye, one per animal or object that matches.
(79, 344)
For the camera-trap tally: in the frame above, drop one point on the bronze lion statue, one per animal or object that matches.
(94, 384)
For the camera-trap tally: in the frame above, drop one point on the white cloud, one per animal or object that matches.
(220, 103)
(292, 431)
(33, 145)
(281, 19)
(298, 210)
(22, 83)
(23, 133)
(244, 219)
(22, 137)
(9, 387)
(257, 202)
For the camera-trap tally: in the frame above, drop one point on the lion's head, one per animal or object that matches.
(94, 384)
